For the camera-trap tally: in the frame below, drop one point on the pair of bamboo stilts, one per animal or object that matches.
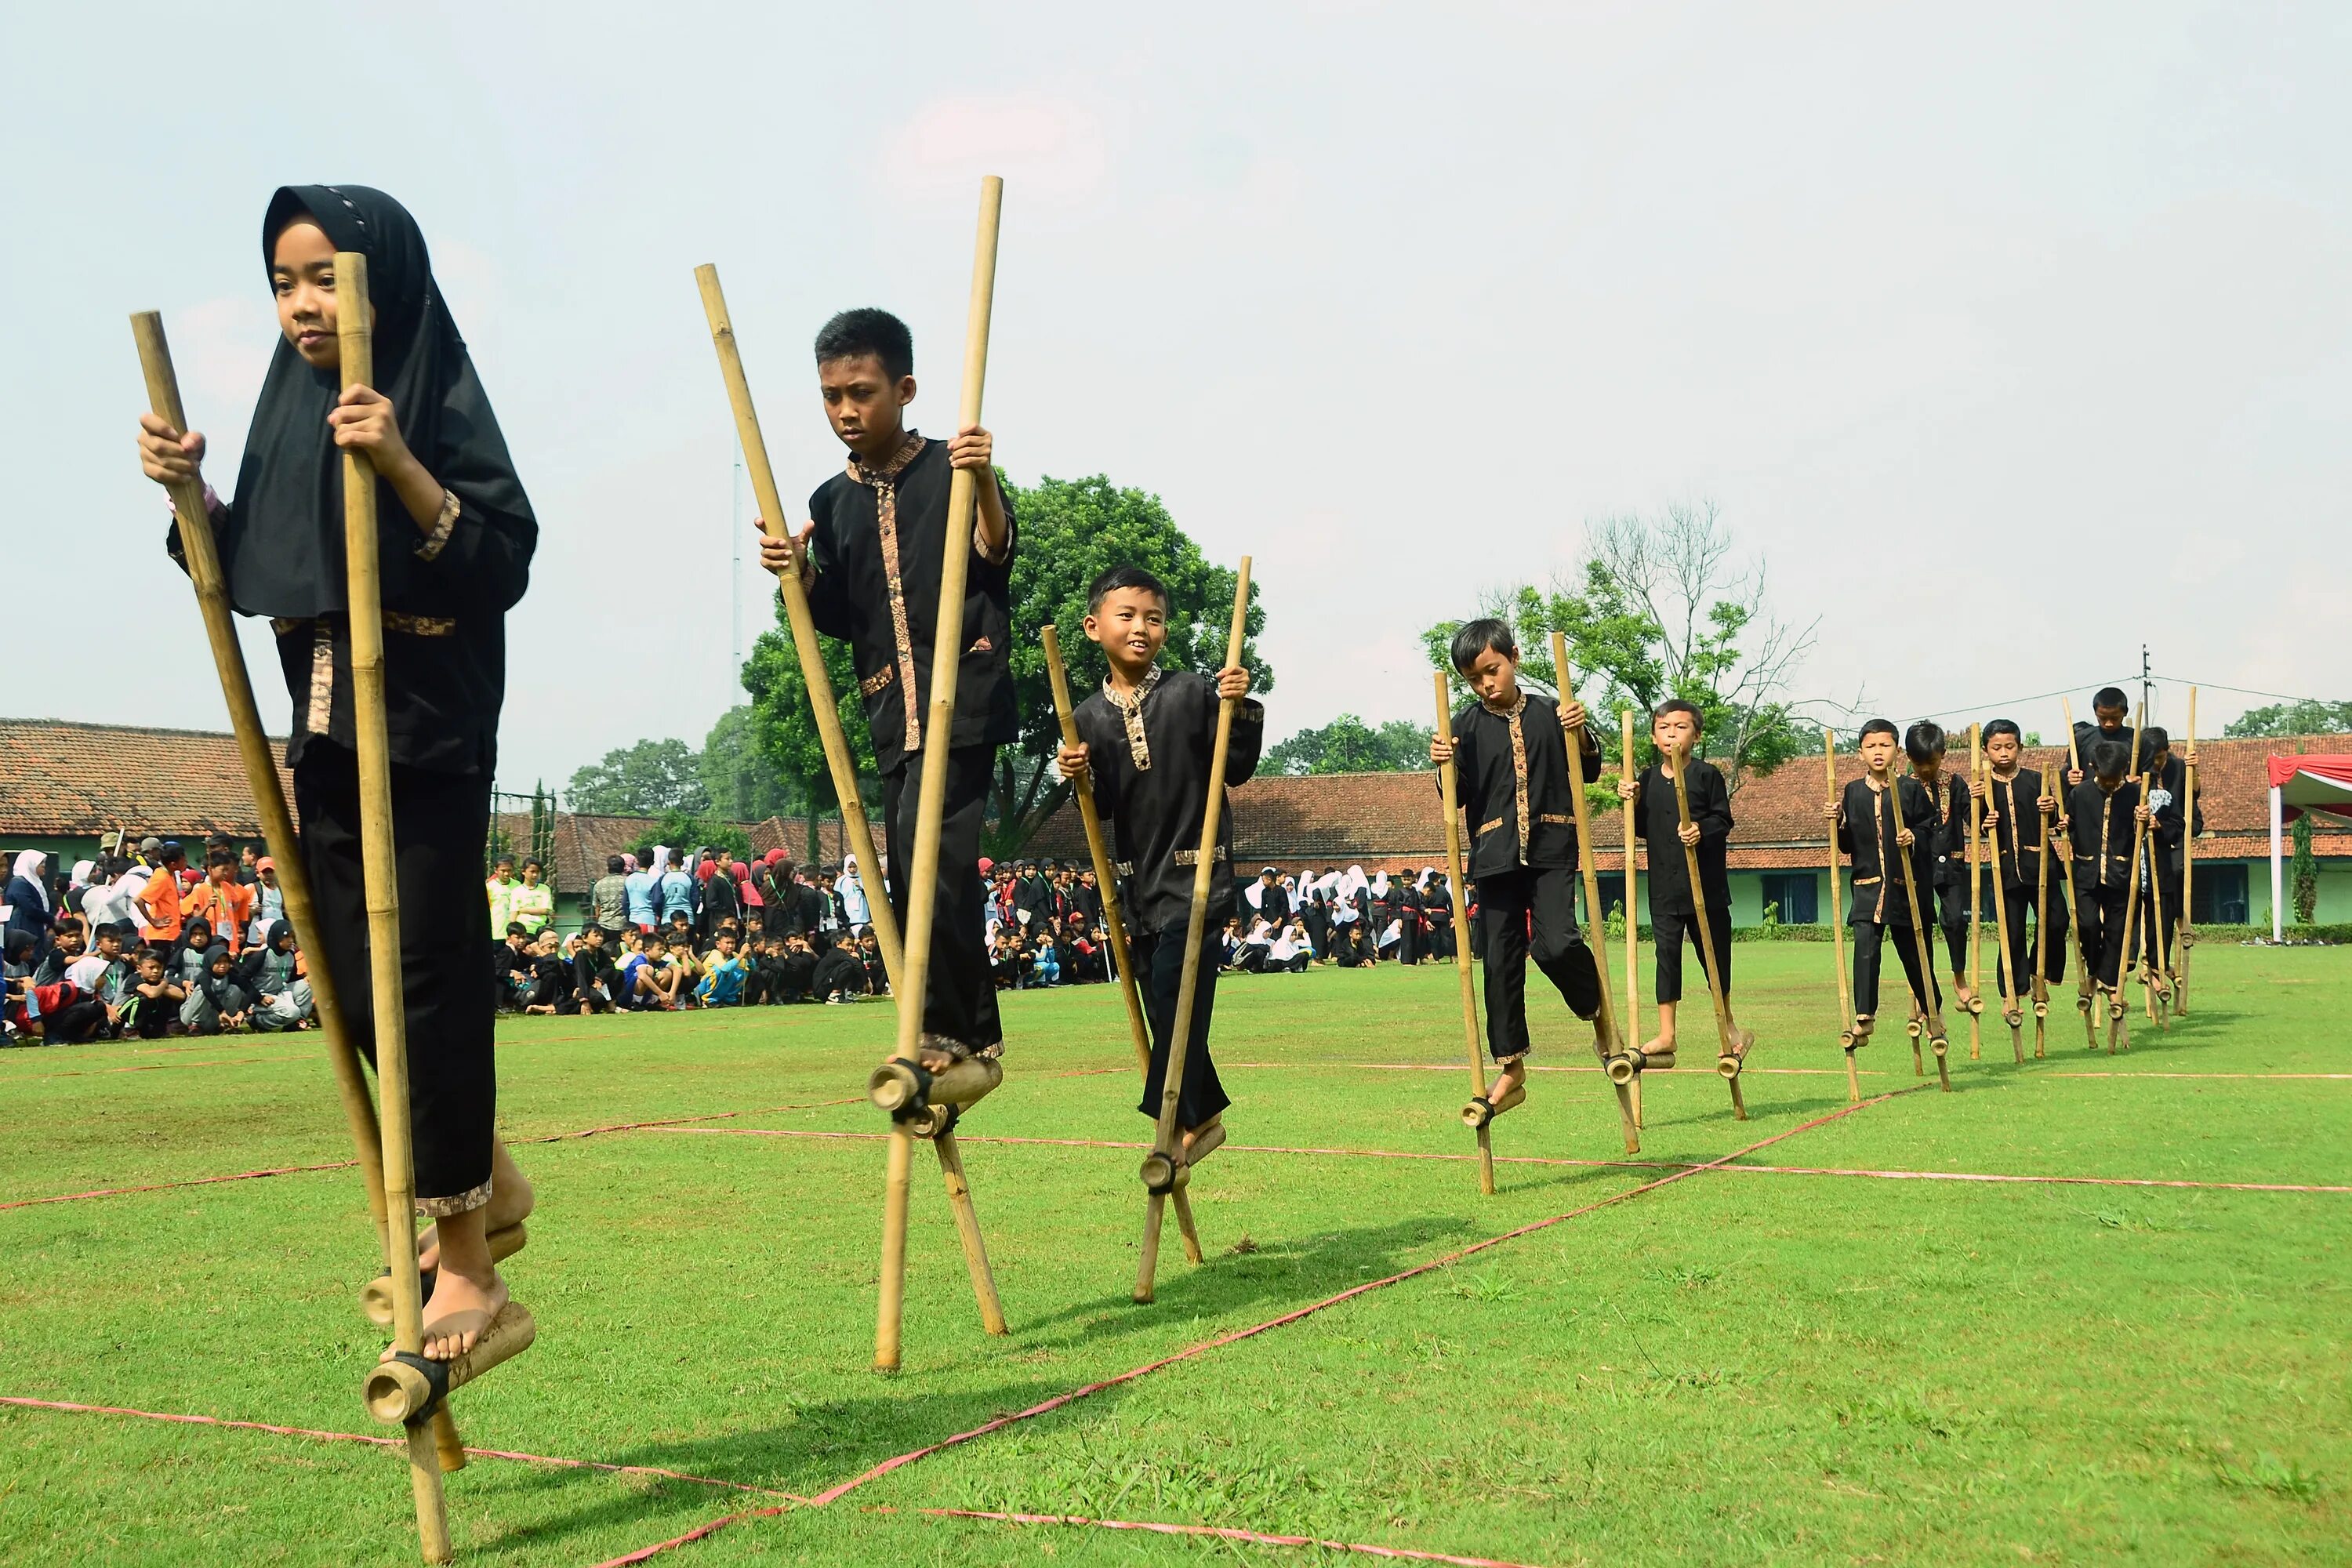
(1980, 852)
(906, 955)
(405, 1390)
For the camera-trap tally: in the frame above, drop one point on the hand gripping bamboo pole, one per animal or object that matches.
(911, 984)
(2087, 985)
(2040, 949)
(276, 821)
(1450, 796)
(1596, 931)
(1976, 897)
(1098, 850)
(1730, 1048)
(859, 834)
(355, 330)
(1926, 990)
(1161, 1168)
(2184, 929)
(1632, 922)
(2004, 966)
(1837, 926)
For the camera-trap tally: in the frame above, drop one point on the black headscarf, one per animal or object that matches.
(288, 558)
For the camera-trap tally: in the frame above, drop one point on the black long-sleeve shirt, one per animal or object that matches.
(1879, 895)
(1149, 763)
(1949, 854)
(2101, 826)
(878, 588)
(1512, 779)
(2016, 801)
(1656, 810)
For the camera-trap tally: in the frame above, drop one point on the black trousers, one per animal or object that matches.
(2028, 945)
(1509, 904)
(959, 1000)
(2100, 915)
(1865, 964)
(440, 825)
(1158, 958)
(1952, 914)
(1673, 928)
(1318, 931)
(2165, 949)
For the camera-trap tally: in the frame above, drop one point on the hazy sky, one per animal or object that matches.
(2009, 336)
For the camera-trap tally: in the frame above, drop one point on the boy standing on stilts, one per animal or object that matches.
(2019, 810)
(1146, 740)
(1511, 750)
(871, 560)
(1674, 729)
(1925, 745)
(1876, 835)
(2103, 815)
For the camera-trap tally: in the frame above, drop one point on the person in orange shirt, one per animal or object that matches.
(223, 900)
(159, 900)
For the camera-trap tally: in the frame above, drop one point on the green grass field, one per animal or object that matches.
(1739, 1366)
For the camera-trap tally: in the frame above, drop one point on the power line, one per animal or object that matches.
(2241, 690)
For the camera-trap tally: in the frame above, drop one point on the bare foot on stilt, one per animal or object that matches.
(461, 1308)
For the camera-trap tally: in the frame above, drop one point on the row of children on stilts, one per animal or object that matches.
(1925, 845)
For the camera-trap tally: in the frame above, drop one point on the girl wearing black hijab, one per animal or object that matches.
(455, 550)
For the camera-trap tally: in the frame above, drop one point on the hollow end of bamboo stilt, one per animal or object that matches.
(1729, 1067)
(1624, 1067)
(1158, 1174)
(1976, 1007)
(895, 1084)
(1912, 1027)
(399, 1391)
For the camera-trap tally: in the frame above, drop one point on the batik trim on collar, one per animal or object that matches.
(1130, 714)
(884, 482)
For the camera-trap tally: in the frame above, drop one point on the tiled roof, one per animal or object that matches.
(1390, 821)
(59, 778)
(583, 843)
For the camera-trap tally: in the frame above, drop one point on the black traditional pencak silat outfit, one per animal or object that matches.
(1512, 777)
(877, 551)
(1672, 910)
(2017, 835)
(1865, 831)
(446, 592)
(1149, 754)
(2167, 798)
(2101, 826)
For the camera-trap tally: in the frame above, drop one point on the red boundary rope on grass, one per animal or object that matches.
(316, 1435)
(1218, 1532)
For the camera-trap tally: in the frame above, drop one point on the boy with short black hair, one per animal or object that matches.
(872, 557)
(1511, 756)
(1674, 729)
(1880, 818)
(1146, 740)
(2168, 825)
(2110, 708)
(1947, 850)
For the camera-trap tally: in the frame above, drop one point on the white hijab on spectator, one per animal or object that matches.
(1380, 884)
(30, 864)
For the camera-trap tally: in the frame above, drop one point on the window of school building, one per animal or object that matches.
(1795, 894)
(2218, 895)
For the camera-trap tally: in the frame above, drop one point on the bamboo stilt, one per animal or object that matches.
(1184, 1225)
(967, 1224)
(1975, 897)
(1924, 994)
(1450, 795)
(2118, 1023)
(1165, 1137)
(911, 982)
(355, 332)
(857, 831)
(1632, 920)
(2041, 951)
(1596, 933)
(2185, 937)
(1846, 1036)
(1729, 1046)
(2087, 985)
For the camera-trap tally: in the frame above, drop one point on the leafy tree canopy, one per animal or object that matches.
(1348, 746)
(2283, 719)
(643, 779)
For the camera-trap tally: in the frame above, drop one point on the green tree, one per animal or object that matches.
(2283, 719)
(742, 784)
(1072, 530)
(783, 726)
(1660, 608)
(689, 831)
(643, 779)
(2302, 870)
(1348, 746)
